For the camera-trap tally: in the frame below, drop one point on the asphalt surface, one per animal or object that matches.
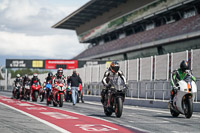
(137, 118)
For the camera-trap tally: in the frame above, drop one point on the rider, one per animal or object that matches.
(35, 79)
(59, 75)
(111, 73)
(49, 80)
(25, 79)
(17, 80)
(178, 75)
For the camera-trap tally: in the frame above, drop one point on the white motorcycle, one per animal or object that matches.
(183, 99)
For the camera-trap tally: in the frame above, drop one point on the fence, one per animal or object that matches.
(147, 77)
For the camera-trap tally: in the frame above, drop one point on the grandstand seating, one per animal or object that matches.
(180, 27)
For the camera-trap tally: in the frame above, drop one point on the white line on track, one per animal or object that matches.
(142, 130)
(34, 117)
(140, 108)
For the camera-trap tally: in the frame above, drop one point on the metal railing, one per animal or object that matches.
(154, 90)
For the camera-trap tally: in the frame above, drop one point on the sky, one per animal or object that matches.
(26, 33)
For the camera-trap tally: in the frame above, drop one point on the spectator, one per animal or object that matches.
(75, 80)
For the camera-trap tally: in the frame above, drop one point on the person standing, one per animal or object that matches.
(75, 80)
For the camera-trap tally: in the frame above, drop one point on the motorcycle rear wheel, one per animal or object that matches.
(77, 98)
(173, 113)
(107, 113)
(119, 107)
(188, 108)
(55, 104)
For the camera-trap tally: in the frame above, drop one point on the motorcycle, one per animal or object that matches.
(35, 91)
(48, 93)
(68, 94)
(114, 98)
(27, 91)
(80, 94)
(17, 91)
(43, 92)
(58, 93)
(184, 97)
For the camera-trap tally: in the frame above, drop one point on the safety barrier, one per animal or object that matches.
(147, 77)
(141, 89)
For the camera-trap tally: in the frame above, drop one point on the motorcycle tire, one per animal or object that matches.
(35, 96)
(77, 98)
(18, 95)
(119, 107)
(55, 104)
(173, 113)
(61, 100)
(82, 98)
(188, 108)
(107, 112)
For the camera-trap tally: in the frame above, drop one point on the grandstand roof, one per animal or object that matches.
(90, 10)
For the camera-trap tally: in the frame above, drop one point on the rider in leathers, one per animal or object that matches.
(178, 75)
(17, 80)
(25, 79)
(49, 80)
(35, 79)
(112, 73)
(59, 75)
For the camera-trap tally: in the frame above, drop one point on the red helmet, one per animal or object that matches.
(60, 72)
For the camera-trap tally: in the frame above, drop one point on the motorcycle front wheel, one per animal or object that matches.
(35, 95)
(61, 100)
(188, 108)
(118, 107)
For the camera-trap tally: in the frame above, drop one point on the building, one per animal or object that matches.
(130, 29)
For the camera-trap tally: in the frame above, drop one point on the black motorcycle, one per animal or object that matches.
(27, 90)
(17, 92)
(114, 98)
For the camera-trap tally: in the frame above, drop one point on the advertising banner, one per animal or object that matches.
(65, 64)
(23, 63)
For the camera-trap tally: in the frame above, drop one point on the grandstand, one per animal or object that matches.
(130, 29)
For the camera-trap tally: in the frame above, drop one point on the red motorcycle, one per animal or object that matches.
(35, 91)
(80, 94)
(58, 93)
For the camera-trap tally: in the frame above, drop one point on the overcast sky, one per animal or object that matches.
(25, 29)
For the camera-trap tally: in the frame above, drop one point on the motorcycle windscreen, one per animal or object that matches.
(118, 83)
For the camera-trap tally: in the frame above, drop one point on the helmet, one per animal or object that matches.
(35, 75)
(25, 76)
(60, 72)
(18, 75)
(114, 66)
(184, 65)
(50, 74)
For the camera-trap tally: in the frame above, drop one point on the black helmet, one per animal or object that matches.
(60, 72)
(25, 76)
(50, 74)
(184, 65)
(114, 66)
